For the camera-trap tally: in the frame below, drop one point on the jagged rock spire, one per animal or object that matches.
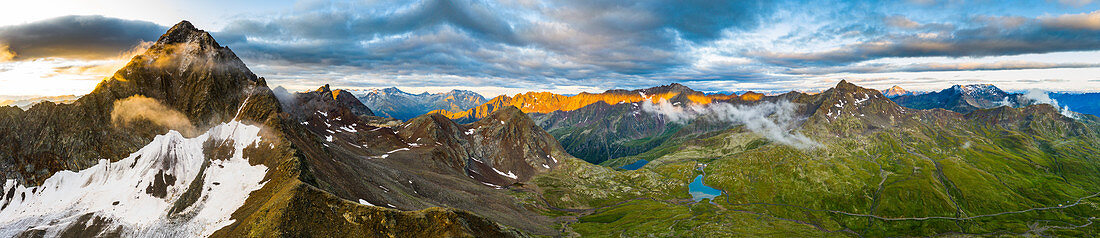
(184, 32)
(187, 70)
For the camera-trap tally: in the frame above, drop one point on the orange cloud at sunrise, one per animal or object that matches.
(58, 76)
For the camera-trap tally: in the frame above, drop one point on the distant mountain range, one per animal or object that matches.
(27, 102)
(962, 98)
(600, 131)
(601, 126)
(546, 102)
(968, 98)
(394, 103)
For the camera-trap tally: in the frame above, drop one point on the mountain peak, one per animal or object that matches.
(184, 32)
(977, 88)
(328, 100)
(671, 88)
(844, 87)
(338, 93)
(188, 71)
(895, 91)
(390, 90)
(846, 84)
(508, 112)
(184, 25)
(459, 91)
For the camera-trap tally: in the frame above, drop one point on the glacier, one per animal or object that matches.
(168, 188)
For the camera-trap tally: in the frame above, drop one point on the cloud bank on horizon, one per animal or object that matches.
(569, 46)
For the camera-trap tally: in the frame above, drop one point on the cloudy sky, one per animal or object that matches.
(52, 47)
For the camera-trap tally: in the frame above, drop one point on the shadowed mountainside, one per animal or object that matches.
(248, 138)
(186, 70)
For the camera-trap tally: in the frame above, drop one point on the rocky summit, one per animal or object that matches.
(189, 135)
(896, 91)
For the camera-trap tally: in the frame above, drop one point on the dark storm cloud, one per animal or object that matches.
(353, 23)
(605, 44)
(442, 49)
(993, 36)
(85, 37)
(559, 39)
(695, 20)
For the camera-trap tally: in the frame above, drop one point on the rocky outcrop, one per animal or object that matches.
(896, 91)
(324, 100)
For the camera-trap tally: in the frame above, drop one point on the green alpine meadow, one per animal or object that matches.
(879, 170)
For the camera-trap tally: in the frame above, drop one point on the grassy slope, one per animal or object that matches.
(959, 169)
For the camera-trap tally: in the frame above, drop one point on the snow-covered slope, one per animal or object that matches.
(169, 188)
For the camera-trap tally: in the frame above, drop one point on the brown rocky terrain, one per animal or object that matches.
(312, 170)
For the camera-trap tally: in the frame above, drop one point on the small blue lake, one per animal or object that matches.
(636, 165)
(699, 191)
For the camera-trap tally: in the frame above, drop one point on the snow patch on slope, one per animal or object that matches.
(136, 195)
(509, 174)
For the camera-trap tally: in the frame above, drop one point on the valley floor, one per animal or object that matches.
(770, 190)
